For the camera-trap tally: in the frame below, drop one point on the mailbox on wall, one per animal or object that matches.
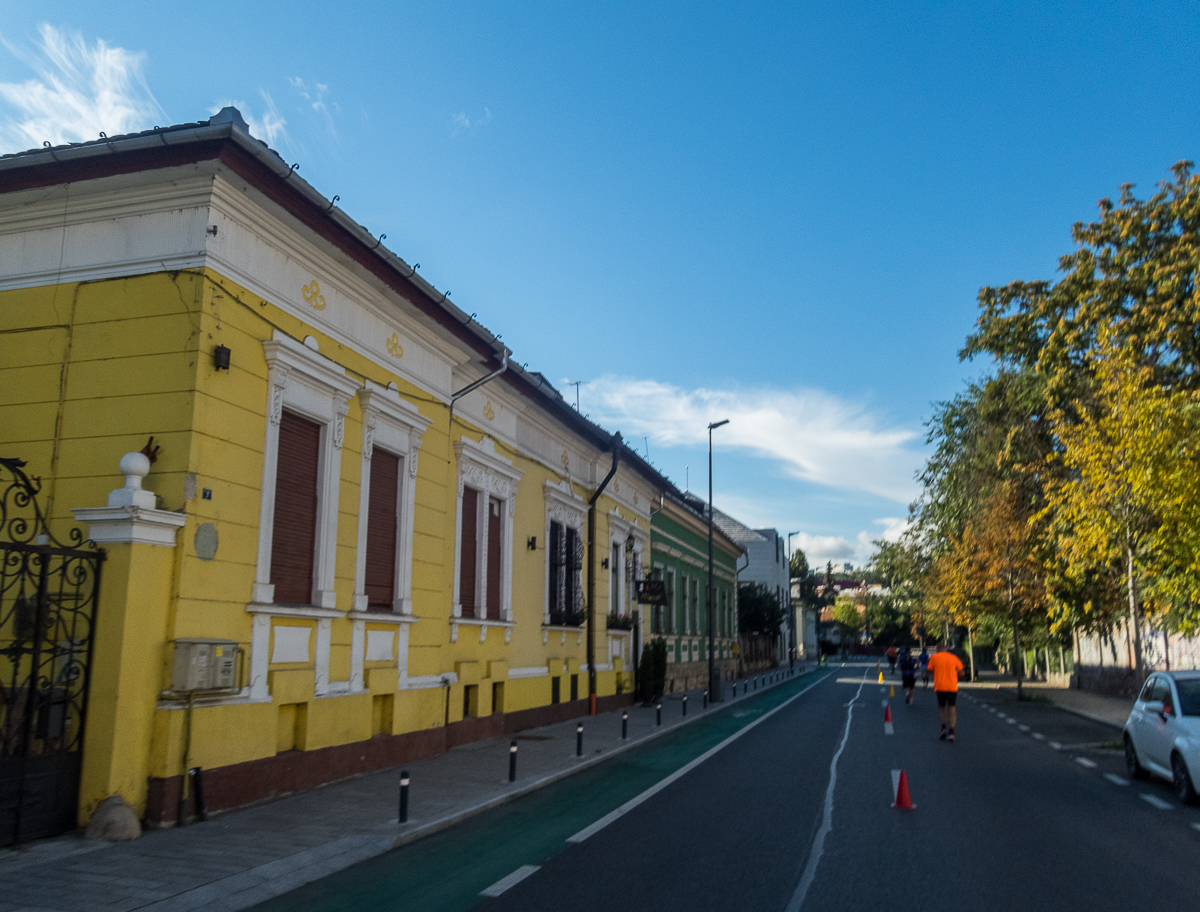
(205, 666)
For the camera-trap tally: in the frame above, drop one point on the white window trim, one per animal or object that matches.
(301, 380)
(567, 508)
(482, 468)
(396, 426)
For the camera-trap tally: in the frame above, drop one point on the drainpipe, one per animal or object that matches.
(591, 574)
(471, 387)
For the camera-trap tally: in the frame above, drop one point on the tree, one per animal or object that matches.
(995, 567)
(849, 618)
(807, 582)
(759, 611)
(1131, 454)
(1132, 274)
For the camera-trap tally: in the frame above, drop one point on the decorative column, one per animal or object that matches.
(130, 638)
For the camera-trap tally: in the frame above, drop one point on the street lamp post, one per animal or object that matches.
(714, 681)
(795, 635)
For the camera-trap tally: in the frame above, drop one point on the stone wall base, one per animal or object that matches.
(239, 784)
(1113, 681)
(683, 676)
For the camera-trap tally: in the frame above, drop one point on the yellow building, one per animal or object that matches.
(353, 497)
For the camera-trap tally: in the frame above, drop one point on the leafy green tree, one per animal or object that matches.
(1132, 493)
(1133, 274)
(759, 611)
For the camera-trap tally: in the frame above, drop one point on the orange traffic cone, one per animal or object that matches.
(903, 798)
(887, 714)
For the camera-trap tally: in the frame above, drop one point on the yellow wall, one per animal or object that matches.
(90, 371)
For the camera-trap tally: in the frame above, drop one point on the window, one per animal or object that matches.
(669, 609)
(694, 626)
(469, 522)
(657, 611)
(307, 402)
(487, 486)
(380, 570)
(684, 625)
(566, 513)
(615, 579)
(391, 442)
(295, 518)
(566, 566)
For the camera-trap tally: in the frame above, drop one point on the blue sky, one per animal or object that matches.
(779, 214)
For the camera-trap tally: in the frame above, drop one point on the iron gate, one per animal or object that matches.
(47, 611)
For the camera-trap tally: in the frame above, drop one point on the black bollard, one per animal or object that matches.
(625, 725)
(685, 704)
(658, 714)
(404, 796)
(579, 740)
(197, 778)
(512, 761)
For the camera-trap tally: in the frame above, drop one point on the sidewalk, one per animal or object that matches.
(1097, 707)
(241, 858)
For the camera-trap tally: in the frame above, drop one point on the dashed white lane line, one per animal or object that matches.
(895, 782)
(510, 881)
(1115, 779)
(1084, 761)
(883, 702)
(1011, 721)
(1196, 826)
(633, 802)
(889, 728)
(1055, 745)
(1157, 802)
(1023, 728)
(1039, 736)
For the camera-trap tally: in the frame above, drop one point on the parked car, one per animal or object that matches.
(1162, 735)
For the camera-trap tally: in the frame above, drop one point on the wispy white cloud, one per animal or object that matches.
(270, 127)
(461, 121)
(78, 91)
(816, 436)
(316, 98)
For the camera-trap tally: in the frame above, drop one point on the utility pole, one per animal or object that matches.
(714, 681)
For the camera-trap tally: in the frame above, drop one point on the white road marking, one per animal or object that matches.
(688, 767)
(883, 702)
(1196, 826)
(1055, 745)
(818, 846)
(1011, 721)
(1084, 761)
(895, 783)
(1115, 779)
(889, 728)
(1157, 802)
(992, 710)
(1039, 736)
(1023, 728)
(510, 881)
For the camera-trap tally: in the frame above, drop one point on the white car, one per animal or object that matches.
(1162, 735)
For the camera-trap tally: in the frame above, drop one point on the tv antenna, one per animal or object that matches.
(575, 383)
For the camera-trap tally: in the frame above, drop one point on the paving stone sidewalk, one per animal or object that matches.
(241, 858)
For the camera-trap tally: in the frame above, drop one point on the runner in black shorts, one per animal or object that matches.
(908, 674)
(947, 669)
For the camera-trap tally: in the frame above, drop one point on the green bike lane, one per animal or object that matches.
(446, 871)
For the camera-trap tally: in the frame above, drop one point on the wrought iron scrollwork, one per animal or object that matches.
(48, 593)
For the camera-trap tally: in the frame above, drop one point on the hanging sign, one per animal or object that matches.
(651, 592)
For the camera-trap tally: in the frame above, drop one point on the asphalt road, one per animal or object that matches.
(1007, 818)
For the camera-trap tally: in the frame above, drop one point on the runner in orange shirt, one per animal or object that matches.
(947, 669)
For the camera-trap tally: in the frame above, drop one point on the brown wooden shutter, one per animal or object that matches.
(493, 558)
(381, 531)
(295, 531)
(470, 550)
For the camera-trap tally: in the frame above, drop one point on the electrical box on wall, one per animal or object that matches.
(205, 666)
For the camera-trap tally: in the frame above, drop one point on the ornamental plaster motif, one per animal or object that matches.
(313, 297)
(394, 348)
